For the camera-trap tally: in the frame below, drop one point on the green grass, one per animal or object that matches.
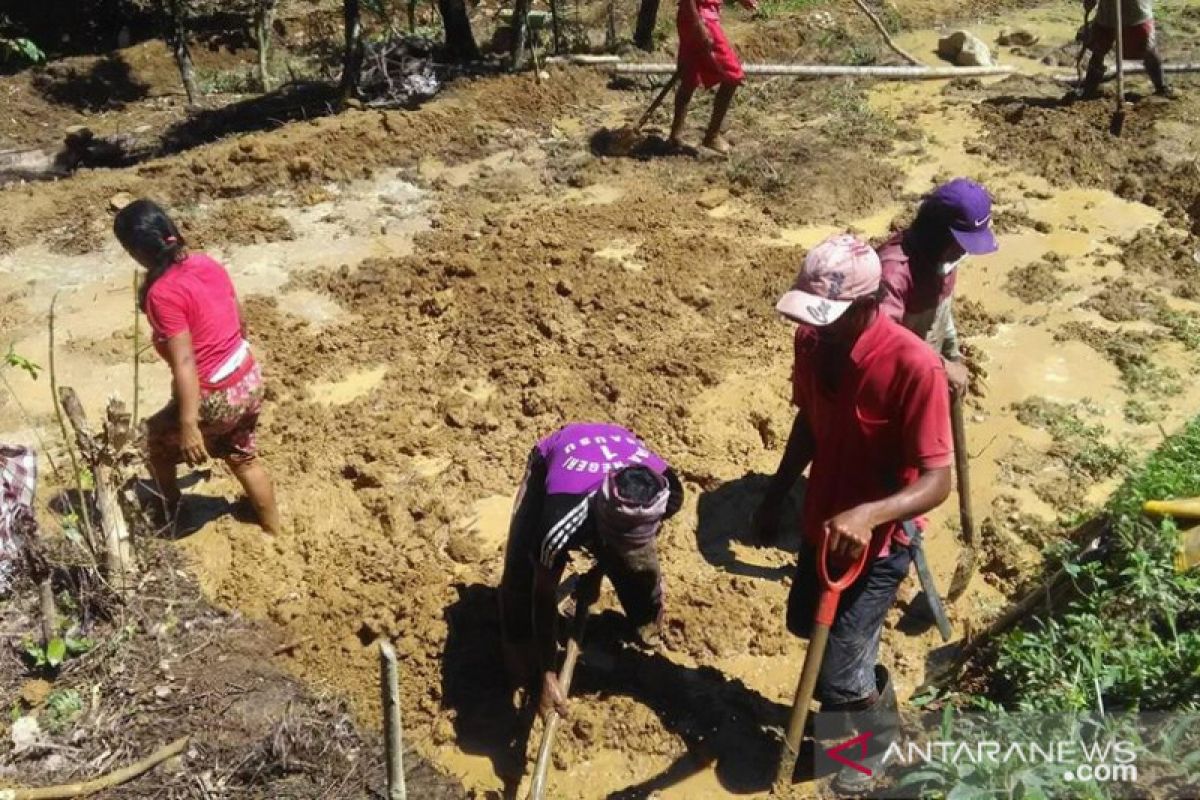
(1132, 637)
(773, 8)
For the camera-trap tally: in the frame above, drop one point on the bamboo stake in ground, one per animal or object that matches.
(48, 609)
(887, 38)
(85, 515)
(88, 788)
(393, 731)
(137, 349)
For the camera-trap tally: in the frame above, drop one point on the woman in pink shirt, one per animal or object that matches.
(216, 387)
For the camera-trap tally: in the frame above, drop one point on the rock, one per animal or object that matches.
(950, 45)
(1017, 37)
(712, 198)
(119, 201)
(965, 50)
(26, 735)
(974, 53)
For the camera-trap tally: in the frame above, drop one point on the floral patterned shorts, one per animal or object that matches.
(228, 421)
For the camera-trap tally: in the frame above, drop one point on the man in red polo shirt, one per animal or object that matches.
(873, 419)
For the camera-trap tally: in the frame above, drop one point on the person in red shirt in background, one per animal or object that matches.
(873, 420)
(217, 386)
(920, 267)
(705, 58)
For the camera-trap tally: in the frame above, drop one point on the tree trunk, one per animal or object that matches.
(264, 17)
(517, 53)
(177, 38)
(352, 62)
(647, 20)
(104, 455)
(460, 41)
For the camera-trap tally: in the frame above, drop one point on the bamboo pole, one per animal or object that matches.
(137, 350)
(88, 788)
(393, 730)
(69, 441)
(823, 71)
(887, 37)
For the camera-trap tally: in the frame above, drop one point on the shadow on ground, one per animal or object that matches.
(725, 515)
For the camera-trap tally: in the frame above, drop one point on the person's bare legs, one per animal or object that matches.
(162, 470)
(260, 491)
(161, 458)
(712, 137)
(683, 97)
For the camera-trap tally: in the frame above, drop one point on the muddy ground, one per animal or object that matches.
(433, 291)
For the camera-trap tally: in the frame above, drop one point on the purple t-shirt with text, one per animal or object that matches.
(581, 454)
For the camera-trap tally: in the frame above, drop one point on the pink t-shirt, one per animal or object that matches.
(197, 296)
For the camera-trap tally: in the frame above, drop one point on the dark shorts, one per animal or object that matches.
(848, 670)
(1138, 40)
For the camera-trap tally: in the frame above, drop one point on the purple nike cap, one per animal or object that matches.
(969, 207)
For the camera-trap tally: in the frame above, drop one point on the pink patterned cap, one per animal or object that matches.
(836, 272)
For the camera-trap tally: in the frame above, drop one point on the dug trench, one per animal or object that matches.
(432, 292)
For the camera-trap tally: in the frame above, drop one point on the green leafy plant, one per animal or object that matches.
(17, 361)
(62, 707)
(56, 651)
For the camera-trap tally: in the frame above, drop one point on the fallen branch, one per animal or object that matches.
(823, 71)
(887, 37)
(87, 788)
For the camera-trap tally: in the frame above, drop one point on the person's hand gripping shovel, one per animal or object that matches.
(586, 593)
(827, 606)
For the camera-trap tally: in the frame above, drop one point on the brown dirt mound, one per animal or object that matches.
(1037, 282)
(1121, 301)
(1168, 255)
(972, 319)
(239, 222)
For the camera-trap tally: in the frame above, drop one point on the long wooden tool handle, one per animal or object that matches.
(962, 472)
(586, 593)
(800, 705)
(658, 100)
(1120, 58)
(537, 788)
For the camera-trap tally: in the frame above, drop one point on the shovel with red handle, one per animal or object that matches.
(827, 606)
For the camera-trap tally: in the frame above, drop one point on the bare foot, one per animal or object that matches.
(717, 144)
(676, 144)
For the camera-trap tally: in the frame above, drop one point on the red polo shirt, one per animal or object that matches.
(888, 419)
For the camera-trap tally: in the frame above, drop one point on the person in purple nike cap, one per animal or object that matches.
(920, 267)
(594, 486)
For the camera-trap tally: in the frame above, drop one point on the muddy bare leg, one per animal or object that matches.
(724, 98)
(162, 470)
(683, 97)
(261, 492)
